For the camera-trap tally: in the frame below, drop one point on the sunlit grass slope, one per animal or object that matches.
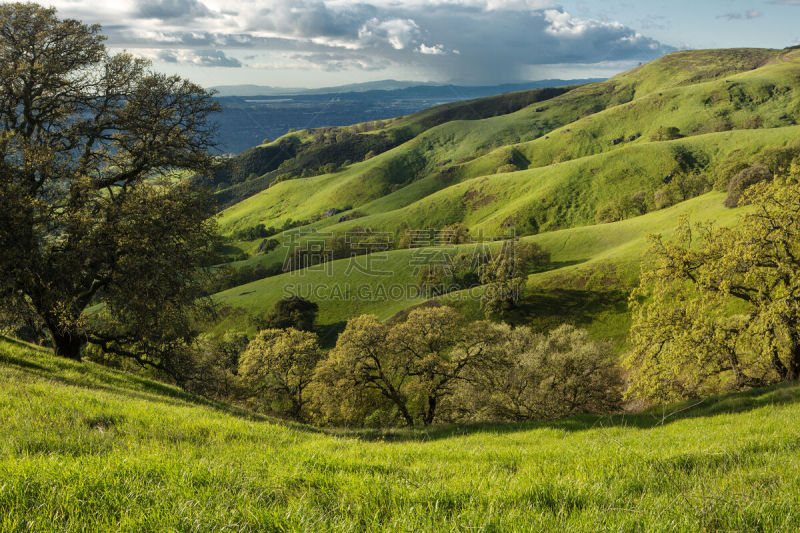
(587, 260)
(753, 92)
(86, 448)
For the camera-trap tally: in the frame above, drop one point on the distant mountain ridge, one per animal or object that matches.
(250, 90)
(267, 113)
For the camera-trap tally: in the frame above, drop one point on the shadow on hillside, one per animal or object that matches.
(555, 265)
(549, 308)
(734, 403)
(328, 333)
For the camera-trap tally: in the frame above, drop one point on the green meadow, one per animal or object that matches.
(88, 448)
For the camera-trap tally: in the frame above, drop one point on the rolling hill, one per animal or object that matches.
(586, 172)
(546, 164)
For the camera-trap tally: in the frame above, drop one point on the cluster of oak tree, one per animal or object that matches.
(430, 366)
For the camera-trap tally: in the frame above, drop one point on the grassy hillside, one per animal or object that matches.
(545, 171)
(577, 256)
(86, 448)
(717, 91)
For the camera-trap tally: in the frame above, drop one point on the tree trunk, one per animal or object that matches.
(428, 418)
(67, 344)
(778, 365)
(403, 411)
(794, 364)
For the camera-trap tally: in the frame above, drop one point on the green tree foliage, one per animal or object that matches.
(457, 233)
(403, 371)
(459, 272)
(744, 179)
(293, 312)
(278, 366)
(622, 208)
(360, 381)
(215, 367)
(666, 133)
(541, 376)
(437, 367)
(259, 231)
(726, 314)
(506, 273)
(85, 218)
(436, 346)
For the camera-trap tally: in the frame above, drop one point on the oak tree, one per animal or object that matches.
(100, 237)
(719, 308)
(410, 367)
(278, 366)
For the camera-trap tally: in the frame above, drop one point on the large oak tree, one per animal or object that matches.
(721, 311)
(99, 237)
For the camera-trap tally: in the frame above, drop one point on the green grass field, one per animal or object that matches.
(87, 448)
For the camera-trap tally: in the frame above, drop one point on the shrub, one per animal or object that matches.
(267, 245)
(639, 202)
(666, 134)
(662, 198)
(293, 312)
(622, 208)
(744, 179)
(457, 233)
(721, 125)
(259, 231)
(779, 160)
(510, 167)
(728, 169)
(753, 123)
(543, 376)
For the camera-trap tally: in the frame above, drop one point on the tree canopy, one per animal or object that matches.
(409, 367)
(100, 236)
(278, 366)
(719, 308)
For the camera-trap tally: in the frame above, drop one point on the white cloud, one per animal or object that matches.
(562, 23)
(435, 50)
(199, 58)
(399, 33)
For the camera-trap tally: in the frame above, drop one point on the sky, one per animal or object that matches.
(324, 43)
